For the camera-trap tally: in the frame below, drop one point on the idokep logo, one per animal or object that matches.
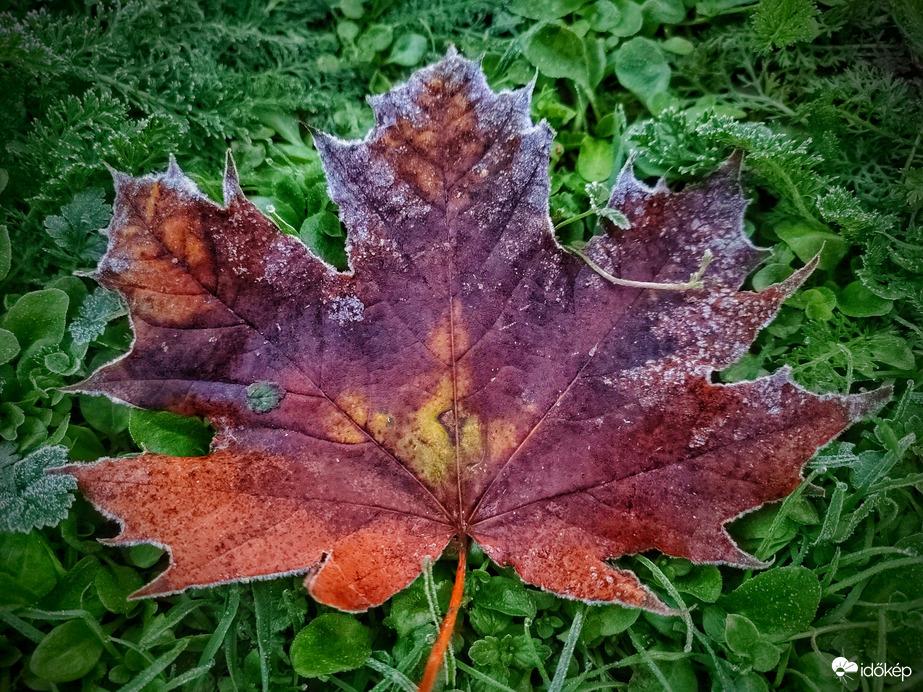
(843, 667)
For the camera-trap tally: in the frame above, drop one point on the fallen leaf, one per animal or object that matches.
(467, 378)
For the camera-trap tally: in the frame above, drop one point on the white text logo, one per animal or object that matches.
(843, 667)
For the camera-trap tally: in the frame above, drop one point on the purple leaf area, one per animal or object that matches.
(467, 378)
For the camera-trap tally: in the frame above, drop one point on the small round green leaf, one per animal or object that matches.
(9, 346)
(678, 45)
(82, 443)
(670, 675)
(408, 50)
(38, 316)
(61, 363)
(607, 621)
(120, 675)
(631, 19)
(67, 653)
(595, 49)
(352, 8)
(779, 602)
(11, 418)
(741, 634)
(595, 160)
(487, 622)
(409, 610)
(347, 31)
(658, 12)
(857, 301)
(704, 582)
(331, 643)
(641, 67)
(603, 15)
(9, 654)
(379, 84)
(508, 596)
(377, 38)
(818, 303)
(558, 52)
(285, 124)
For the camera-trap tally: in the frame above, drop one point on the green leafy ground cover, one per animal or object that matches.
(825, 100)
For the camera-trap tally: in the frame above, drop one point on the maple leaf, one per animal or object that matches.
(467, 378)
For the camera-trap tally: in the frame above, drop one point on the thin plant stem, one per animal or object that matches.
(680, 603)
(572, 219)
(695, 280)
(434, 664)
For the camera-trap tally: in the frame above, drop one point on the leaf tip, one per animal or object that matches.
(733, 165)
(90, 385)
(119, 178)
(857, 406)
(653, 604)
(175, 179)
(626, 182)
(744, 560)
(155, 589)
(173, 169)
(324, 143)
(522, 100)
(231, 185)
(794, 282)
(865, 404)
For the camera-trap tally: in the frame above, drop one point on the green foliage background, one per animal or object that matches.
(825, 100)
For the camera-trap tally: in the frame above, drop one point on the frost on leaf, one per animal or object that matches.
(466, 377)
(29, 499)
(97, 310)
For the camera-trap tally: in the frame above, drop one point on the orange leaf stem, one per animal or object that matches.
(434, 664)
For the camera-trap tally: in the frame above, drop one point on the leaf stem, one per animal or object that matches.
(434, 664)
(571, 220)
(695, 279)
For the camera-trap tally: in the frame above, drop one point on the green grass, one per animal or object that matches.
(823, 98)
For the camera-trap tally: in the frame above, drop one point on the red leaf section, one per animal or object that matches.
(465, 378)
